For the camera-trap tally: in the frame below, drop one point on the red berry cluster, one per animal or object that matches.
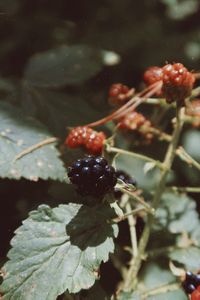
(194, 111)
(152, 75)
(138, 122)
(119, 94)
(87, 137)
(177, 82)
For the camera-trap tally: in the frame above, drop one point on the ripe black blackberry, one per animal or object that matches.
(92, 176)
(126, 178)
(191, 282)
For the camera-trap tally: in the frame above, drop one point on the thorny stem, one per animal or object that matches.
(131, 279)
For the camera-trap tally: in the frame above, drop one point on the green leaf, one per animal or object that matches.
(57, 250)
(177, 213)
(189, 257)
(195, 236)
(191, 140)
(18, 133)
(66, 65)
(155, 276)
(129, 296)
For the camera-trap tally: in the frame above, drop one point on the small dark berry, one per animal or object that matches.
(95, 177)
(188, 288)
(197, 280)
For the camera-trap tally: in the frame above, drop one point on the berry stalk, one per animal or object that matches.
(131, 279)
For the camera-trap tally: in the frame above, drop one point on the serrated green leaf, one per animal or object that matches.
(155, 276)
(57, 250)
(177, 213)
(64, 65)
(19, 133)
(189, 257)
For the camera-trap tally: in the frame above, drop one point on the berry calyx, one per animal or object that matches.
(196, 294)
(92, 176)
(153, 75)
(126, 178)
(84, 136)
(119, 94)
(177, 83)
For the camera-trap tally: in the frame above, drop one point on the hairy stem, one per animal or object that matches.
(135, 265)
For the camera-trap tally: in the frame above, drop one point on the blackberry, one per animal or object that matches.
(126, 178)
(92, 176)
(192, 281)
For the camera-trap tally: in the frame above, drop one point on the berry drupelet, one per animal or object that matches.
(92, 176)
(87, 137)
(177, 83)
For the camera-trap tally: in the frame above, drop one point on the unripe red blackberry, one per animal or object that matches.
(196, 294)
(135, 121)
(94, 142)
(87, 137)
(194, 111)
(132, 121)
(92, 176)
(152, 75)
(118, 93)
(177, 83)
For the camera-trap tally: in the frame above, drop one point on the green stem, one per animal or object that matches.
(183, 155)
(161, 290)
(138, 199)
(133, 235)
(134, 155)
(186, 189)
(131, 281)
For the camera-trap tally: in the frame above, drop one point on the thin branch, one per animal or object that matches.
(187, 189)
(133, 235)
(137, 199)
(35, 147)
(161, 290)
(134, 155)
(183, 155)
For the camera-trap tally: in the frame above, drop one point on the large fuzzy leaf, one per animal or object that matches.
(19, 133)
(57, 250)
(64, 65)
